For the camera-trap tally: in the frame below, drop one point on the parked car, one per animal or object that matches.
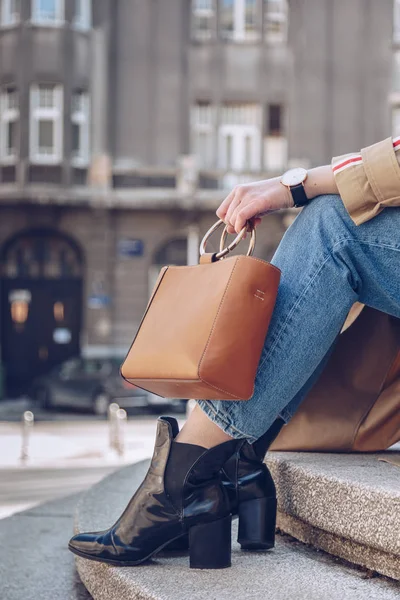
(93, 383)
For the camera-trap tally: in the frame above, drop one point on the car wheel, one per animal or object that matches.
(101, 402)
(42, 397)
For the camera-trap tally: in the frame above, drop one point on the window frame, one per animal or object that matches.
(6, 19)
(239, 135)
(276, 38)
(38, 19)
(39, 113)
(210, 13)
(81, 118)
(85, 22)
(239, 33)
(240, 122)
(8, 115)
(203, 126)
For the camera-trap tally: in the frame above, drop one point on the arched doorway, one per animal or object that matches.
(41, 304)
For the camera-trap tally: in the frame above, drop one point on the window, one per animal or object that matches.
(9, 124)
(275, 142)
(238, 19)
(10, 12)
(80, 128)
(83, 14)
(48, 12)
(203, 19)
(203, 133)
(396, 22)
(275, 120)
(275, 20)
(239, 137)
(237, 130)
(46, 103)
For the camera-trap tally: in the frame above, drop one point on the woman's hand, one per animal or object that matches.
(251, 201)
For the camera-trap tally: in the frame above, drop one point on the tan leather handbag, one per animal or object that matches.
(204, 327)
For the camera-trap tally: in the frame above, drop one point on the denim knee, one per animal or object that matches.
(326, 217)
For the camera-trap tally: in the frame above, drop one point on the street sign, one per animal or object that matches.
(98, 300)
(130, 247)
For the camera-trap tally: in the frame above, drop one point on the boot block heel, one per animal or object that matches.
(210, 544)
(257, 521)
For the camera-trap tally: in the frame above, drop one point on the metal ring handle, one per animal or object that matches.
(252, 242)
(224, 251)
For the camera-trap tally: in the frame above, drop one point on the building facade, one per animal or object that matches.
(124, 124)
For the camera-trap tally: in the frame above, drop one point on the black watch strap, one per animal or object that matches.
(299, 195)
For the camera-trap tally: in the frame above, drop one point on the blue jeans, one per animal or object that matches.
(327, 264)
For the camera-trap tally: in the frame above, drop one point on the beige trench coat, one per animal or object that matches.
(355, 404)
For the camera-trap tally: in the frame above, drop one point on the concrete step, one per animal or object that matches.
(291, 571)
(345, 504)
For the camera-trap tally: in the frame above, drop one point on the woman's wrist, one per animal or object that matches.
(320, 180)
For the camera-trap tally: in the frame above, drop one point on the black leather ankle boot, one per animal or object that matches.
(251, 492)
(181, 494)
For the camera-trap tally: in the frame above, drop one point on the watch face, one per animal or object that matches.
(294, 176)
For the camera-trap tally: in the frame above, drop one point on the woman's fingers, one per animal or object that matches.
(240, 205)
(245, 213)
(223, 208)
(232, 210)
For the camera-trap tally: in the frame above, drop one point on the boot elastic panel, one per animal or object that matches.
(181, 459)
(213, 460)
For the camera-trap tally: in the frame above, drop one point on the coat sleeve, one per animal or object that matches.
(369, 181)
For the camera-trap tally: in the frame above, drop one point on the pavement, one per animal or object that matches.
(34, 559)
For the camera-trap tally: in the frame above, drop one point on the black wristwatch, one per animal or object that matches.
(294, 180)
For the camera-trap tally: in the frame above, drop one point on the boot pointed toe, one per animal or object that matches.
(96, 545)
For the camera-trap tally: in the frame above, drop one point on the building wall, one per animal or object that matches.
(341, 76)
(144, 72)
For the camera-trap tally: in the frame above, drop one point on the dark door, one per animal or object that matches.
(40, 316)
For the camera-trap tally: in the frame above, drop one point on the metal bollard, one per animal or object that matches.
(112, 425)
(121, 419)
(28, 419)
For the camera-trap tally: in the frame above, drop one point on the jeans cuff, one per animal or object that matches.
(223, 421)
